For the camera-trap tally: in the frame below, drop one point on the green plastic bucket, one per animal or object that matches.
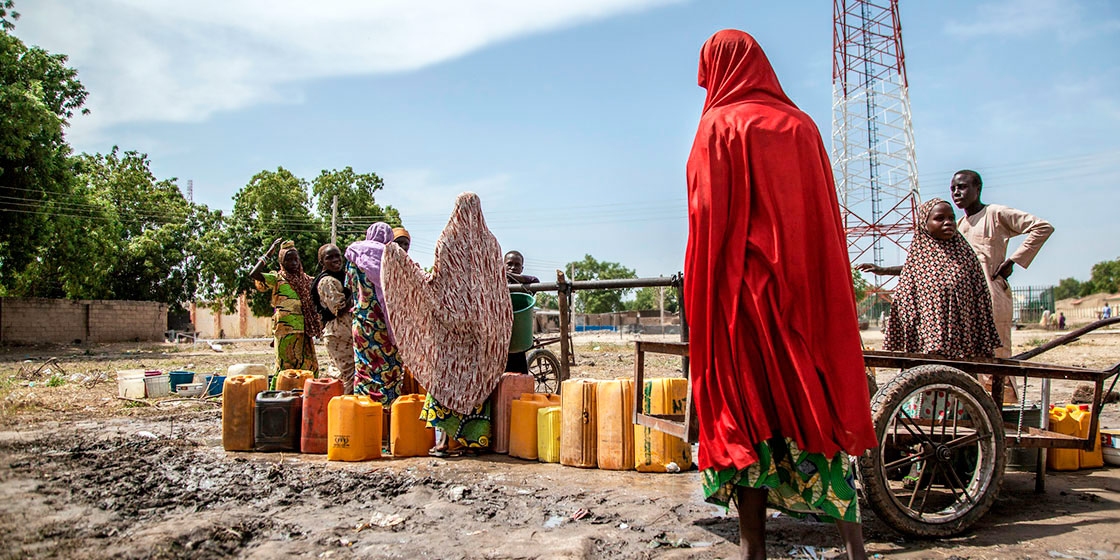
(521, 339)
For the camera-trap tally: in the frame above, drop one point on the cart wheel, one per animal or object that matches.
(940, 459)
(545, 367)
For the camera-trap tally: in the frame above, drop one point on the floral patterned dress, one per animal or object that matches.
(378, 370)
(294, 349)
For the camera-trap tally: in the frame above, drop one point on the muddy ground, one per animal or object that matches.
(85, 475)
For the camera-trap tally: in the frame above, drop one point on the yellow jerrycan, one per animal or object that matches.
(354, 425)
(614, 402)
(289, 379)
(409, 436)
(656, 451)
(1062, 459)
(523, 423)
(239, 393)
(548, 434)
(578, 425)
(1083, 415)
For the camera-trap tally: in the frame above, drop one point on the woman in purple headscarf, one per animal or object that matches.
(378, 369)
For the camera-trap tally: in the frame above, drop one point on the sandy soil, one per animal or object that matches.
(85, 475)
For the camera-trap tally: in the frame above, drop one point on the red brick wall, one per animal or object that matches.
(36, 320)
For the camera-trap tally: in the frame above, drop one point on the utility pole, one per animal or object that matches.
(661, 296)
(334, 220)
(572, 278)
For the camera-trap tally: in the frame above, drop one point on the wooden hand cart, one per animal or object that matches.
(942, 439)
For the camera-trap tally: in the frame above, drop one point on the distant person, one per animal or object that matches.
(378, 370)
(402, 238)
(1061, 321)
(779, 387)
(333, 300)
(1106, 311)
(941, 305)
(294, 319)
(1045, 321)
(516, 362)
(988, 228)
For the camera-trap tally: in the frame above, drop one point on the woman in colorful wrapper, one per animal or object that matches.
(378, 371)
(776, 363)
(295, 320)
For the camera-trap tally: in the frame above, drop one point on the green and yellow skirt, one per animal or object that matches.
(470, 430)
(799, 483)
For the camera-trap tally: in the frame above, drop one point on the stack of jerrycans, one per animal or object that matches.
(523, 428)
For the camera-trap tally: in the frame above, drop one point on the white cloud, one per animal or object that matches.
(1023, 18)
(159, 60)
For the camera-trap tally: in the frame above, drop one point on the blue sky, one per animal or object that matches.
(573, 120)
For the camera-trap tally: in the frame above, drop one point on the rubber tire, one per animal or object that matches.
(546, 356)
(887, 399)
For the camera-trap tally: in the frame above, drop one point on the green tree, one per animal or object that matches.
(1106, 277)
(153, 223)
(1067, 288)
(650, 298)
(275, 204)
(8, 15)
(860, 285)
(39, 95)
(546, 300)
(357, 206)
(599, 301)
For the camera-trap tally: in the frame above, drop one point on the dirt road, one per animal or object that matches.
(83, 475)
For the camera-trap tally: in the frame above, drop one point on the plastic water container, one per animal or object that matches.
(1084, 417)
(180, 377)
(1063, 423)
(277, 417)
(1110, 444)
(290, 379)
(409, 436)
(354, 425)
(510, 387)
(215, 383)
(130, 384)
(157, 386)
(655, 450)
(316, 394)
(240, 394)
(578, 423)
(548, 434)
(614, 401)
(248, 369)
(523, 423)
(521, 336)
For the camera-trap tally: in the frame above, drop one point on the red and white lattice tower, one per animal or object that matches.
(872, 137)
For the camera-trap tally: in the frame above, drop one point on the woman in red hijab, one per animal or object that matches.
(776, 363)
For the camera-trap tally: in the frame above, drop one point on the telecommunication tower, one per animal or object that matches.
(872, 136)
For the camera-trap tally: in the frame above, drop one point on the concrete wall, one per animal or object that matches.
(216, 322)
(38, 320)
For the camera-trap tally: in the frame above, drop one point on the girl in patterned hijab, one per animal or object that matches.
(942, 304)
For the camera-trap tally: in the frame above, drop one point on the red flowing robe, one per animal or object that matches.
(775, 347)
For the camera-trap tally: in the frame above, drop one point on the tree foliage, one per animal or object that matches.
(39, 93)
(599, 301)
(357, 204)
(650, 298)
(1104, 278)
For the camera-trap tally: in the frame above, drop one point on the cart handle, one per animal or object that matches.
(1066, 339)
